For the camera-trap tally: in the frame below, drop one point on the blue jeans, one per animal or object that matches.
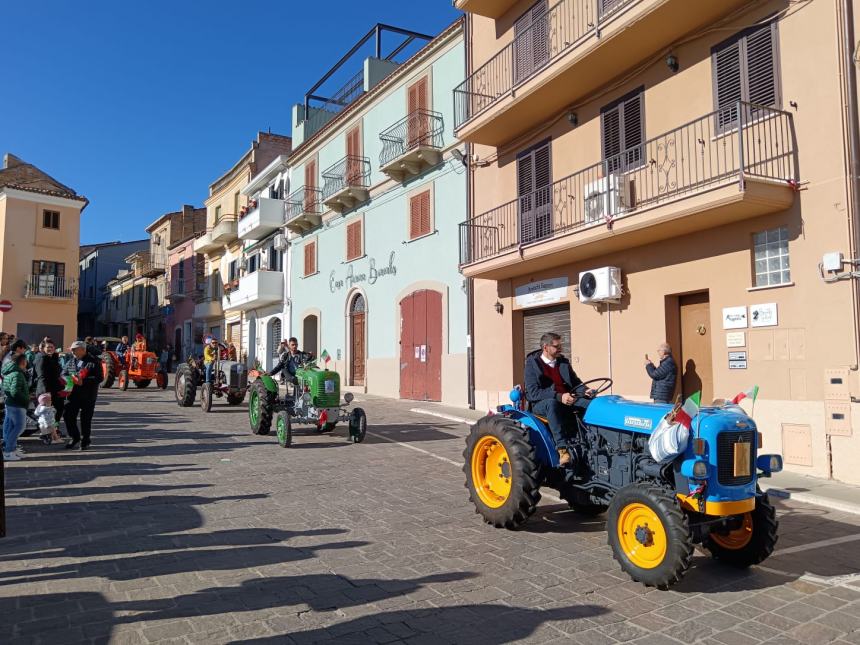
(559, 416)
(13, 426)
(208, 368)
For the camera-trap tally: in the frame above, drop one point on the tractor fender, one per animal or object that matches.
(539, 436)
(269, 383)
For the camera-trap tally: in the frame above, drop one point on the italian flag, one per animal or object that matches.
(325, 356)
(751, 393)
(689, 410)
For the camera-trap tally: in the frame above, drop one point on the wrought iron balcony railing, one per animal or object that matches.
(421, 128)
(51, 286)
(349, 172)
(565, 26)
(304, 200)
(729, 145)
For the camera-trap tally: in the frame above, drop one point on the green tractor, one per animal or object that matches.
(315, 400)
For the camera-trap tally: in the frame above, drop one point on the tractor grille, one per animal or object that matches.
(726, 457)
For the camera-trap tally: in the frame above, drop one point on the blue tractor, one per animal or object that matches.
(656, 512)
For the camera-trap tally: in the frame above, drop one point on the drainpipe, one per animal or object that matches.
(470, 287)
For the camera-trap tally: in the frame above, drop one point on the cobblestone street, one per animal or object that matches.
(186, 528)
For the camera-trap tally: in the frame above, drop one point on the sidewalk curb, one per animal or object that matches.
(817, 500)
(442, 415)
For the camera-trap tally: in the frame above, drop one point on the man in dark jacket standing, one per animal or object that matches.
(663, 375)
(86, 374)
(552, 387)
(48, 371)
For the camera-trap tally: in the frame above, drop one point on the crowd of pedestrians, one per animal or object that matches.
(46, 385)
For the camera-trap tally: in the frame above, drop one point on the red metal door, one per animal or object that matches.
(421, 346)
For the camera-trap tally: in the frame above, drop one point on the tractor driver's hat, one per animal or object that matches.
(78, 344)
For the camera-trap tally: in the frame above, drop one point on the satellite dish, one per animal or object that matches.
(587, 284)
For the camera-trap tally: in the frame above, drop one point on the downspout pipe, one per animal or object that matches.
(470, 283)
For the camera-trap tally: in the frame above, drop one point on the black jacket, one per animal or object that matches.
(88, 368)
(47, 370)
(290, 362)
(663, 378)
(540, 387)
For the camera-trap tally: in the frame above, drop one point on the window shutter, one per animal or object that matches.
(310, 185)
(424, 226)
(531, 33)
(310, 258)
(634, 131)
(727, 84)
(542, 172)
(534, 179)
(353, 240)
(761, 72)
(623, 128)
(415, 216)
(611, 135)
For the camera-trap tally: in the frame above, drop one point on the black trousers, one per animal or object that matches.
(560, 418)
(59, 404)
(86, 410)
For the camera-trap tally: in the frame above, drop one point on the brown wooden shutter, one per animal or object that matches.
(414, 216)
(424, 226)
(353, 240)
(310, 258)
(353, 152)
(418, 105)
(310, 185)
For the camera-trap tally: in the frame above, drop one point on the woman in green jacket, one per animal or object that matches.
(17, 390)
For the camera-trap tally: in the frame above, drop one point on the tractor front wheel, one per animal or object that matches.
(184, 387)
(261, 408)
(501, 472)
(206, 397)
(123, 380)
(108, 371)
(752, 542)
(649, 535)
(143, 383)
(284, 429)
(357, 425)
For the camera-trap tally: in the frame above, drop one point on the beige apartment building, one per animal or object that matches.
(40, 221)
(220, 243)
(650, 170)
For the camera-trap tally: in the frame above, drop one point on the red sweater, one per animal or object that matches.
(554, 374)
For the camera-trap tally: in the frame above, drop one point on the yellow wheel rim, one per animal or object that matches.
(491, 472)
(642, 536)
(738, 538)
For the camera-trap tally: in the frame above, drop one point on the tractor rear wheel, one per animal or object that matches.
(750, 544)
(501, 472)
(143, 383)
(184, 387)
(357, 425)
(284, 429)
(123, 380)
(649, 535)
(235, 398)
(108, 371)
(206, 397)
(261, 408)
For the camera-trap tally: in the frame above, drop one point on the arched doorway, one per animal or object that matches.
(421, 346)
(275, 339)
(310, 332)
(357, 337)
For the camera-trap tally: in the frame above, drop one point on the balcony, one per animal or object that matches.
(223, 233)
(264, 216)
(729, 165)
(135, 312)
(411, 145)
(180, 289)
(51, 287)
(255, 289)
(568, 52)
(304, 210)
(347, 184)
(208, 307)
(152, 269)
(489, 8)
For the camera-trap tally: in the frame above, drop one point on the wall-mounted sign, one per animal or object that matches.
(764, 315)
(542, 292)
(356, 276)
(736, 339)
(737, 356)
(423, 353)
(737, 365)
(734, 317)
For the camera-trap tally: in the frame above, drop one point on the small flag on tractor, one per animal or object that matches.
(325, 356)
(687, 412)
(751, 393)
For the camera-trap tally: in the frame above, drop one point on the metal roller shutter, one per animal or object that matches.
(537, 322)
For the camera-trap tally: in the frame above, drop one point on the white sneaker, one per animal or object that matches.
(21, 454)
(11, 456)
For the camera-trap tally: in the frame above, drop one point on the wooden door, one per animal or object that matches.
(421, 346)
(418, 121)
(696, 364)
(353, 154)
(357, 324)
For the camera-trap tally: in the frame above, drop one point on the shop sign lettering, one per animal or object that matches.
(371, 276)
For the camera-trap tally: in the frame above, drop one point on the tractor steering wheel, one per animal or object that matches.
(604, 384)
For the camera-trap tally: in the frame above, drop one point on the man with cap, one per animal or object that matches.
(86, 374)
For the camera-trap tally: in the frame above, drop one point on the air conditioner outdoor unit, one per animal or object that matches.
(600, 285)
(280, 242)
(607, 197)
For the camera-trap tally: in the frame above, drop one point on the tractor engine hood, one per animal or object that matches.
(619, 413)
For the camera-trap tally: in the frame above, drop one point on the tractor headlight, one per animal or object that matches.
(348, 397)
(769, 463)
(700, 470)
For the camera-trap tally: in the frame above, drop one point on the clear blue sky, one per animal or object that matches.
(139, 105)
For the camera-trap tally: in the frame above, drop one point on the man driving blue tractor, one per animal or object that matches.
(552, 388)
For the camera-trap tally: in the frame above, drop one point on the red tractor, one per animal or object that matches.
(137, 365)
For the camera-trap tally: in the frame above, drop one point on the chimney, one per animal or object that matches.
(10, 161)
